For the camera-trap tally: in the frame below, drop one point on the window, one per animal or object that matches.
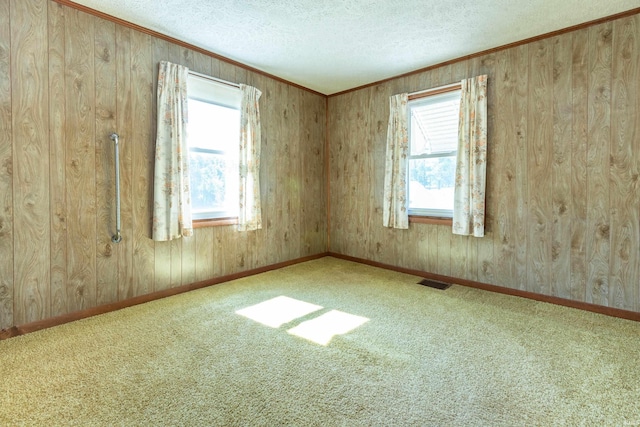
(213, 135)
(433, 145)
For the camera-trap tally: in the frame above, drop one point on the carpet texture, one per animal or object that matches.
(416, 357)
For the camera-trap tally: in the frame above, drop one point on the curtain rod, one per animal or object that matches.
(215, 79)
(438, 89)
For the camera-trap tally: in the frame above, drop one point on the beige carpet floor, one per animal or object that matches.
(415, 356)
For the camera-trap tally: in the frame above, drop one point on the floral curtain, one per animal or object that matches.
(395, 209)
(250, 214)
(171, 194)
(471, 168)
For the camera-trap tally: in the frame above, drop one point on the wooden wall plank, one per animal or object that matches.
(162, 255)
(624, 184)
(204, 253)
(81, 165)
(562, 209)
(376, 137)
(633, 282)
(307, 111)
(337, 156)
(294, 183)
(580, 63)
(319, 137)
(520, 63)
(176, 262)
(374, 141)
(124, 128)
(30, 128)
(340, 189)
(283, 168)
(6, 172)
(504, 145)
(218, 251)
(57, 162)
(378, 108)
(142, 162)
(539, 162)
(242, 75)
(270, 162)
(351, 190)
(364, 206)
(420, 247)
(598, 241)
(357, 208)
(176, 56)
(444, 250)
(284, 172)
(579, 93)
(485, 265)
(105, 117)
(336, 129)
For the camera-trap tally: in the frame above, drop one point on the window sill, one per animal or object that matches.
(202, 223)
(430, 220)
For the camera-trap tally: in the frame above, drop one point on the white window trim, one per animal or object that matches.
(422, 98)
(217, 92)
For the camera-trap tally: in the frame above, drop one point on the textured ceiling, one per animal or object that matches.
(334, 45)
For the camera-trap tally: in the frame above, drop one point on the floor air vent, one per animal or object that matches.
(434, 284)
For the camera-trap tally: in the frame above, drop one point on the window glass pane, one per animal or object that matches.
(434, 124)
(214, 184)
(213, 127)
(431, 183)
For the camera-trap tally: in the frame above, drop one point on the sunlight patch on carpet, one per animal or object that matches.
(278, 311)
(323, 328)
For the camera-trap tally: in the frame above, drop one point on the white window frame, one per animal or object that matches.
(209, 90)
(416, 100)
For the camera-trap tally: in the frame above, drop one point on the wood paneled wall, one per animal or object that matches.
(563, 209)
(67, 81)
(563, 189)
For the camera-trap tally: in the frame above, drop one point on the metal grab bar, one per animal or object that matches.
(117, 238)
